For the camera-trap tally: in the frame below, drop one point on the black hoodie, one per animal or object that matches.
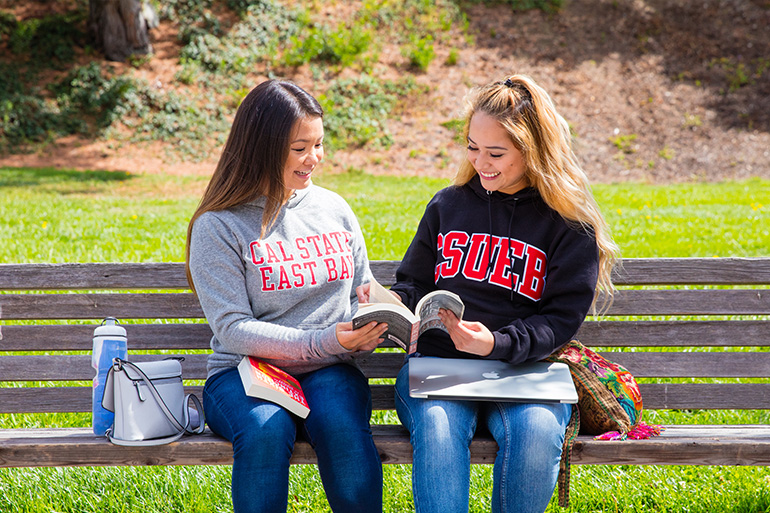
(554, 262)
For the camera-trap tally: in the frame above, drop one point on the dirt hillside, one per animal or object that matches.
(656, 91)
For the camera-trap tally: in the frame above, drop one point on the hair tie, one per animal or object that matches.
(523, 91)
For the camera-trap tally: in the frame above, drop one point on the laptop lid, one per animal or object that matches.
(490, 380)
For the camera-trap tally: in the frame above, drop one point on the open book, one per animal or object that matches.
(268, 382)
(404, 327)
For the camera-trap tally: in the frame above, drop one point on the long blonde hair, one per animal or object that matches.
(251, 165)
(527, 113)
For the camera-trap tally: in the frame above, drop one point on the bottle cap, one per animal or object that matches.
(110, 327)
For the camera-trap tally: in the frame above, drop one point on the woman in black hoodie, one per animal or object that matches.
(521, 240)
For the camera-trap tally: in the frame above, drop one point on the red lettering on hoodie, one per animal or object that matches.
(533, 281)
(450, 248)
(477, 261)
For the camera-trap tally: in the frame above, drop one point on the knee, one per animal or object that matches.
(534, 433)
(434, 427)
(271, 435)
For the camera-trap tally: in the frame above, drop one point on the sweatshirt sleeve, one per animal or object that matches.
(567, 297)
(219, 276)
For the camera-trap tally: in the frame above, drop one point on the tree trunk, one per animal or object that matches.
(120, 27)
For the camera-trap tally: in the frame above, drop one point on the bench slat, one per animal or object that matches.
(678, 445)
(635, 271)
(185, 305)
(693, 271)
(385, 365)
(691, 302)
(60, 337)
(656, 396)
(98, 306)
(63, 337)
(674, 333)
(74, 276)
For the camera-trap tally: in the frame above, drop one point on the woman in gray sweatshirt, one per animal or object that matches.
(275, 262)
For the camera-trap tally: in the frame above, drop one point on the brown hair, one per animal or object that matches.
(541, 134)
(252, 161)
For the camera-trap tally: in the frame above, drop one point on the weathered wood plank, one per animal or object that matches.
(55, 337)
(693, 364)
(666, 396)
(691, 302)
(682, 445)
(693, 271)
(93, 276)
(137, 276)
(679, 445)
(386, 365)
(185, 305)
(63, 337)
(98, 306)
(78, 367)
(707, 396)
(674, 333)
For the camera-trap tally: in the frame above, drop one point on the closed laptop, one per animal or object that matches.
(490, 380)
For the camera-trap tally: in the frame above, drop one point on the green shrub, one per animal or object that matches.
(421, 52)
(47, 40)
(526, 5)
(85, 90)
(8, 23)
(262, 27)
(341, 46)
(356, 111)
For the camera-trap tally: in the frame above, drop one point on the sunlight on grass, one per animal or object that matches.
(54, 215)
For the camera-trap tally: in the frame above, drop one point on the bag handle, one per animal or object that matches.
(117, 366)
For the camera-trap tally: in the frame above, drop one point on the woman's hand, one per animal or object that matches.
(365, 338)
(362, 291)
(468, 337)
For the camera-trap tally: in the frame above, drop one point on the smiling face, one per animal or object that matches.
(305, 151)
(491, 152)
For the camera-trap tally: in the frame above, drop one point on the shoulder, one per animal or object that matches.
(327, 200)
(450, 197)
(225, 223)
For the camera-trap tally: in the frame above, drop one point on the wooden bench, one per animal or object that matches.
(45, 364)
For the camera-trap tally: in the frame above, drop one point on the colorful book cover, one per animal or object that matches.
(265, 381)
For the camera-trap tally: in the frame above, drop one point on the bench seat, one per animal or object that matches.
(693, 331)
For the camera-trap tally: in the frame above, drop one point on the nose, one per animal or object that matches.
(314, 157)
(478, 161)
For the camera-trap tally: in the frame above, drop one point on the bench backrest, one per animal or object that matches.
(665, 323)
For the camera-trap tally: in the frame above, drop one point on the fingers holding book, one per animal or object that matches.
(469, 337)
(365, 338)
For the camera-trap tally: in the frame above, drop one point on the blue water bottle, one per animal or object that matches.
(109, 343)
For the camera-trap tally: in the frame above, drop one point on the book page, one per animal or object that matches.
(428, 307)
(398, 318)
(379, 294)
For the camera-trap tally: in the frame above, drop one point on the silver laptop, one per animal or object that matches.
(490, 380)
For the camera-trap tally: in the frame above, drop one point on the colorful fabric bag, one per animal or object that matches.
(609, 404)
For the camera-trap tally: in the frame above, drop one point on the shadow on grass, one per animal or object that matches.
(48, 176)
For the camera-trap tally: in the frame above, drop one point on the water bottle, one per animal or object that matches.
(109, 343)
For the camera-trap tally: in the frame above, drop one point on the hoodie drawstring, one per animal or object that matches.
(489, 245)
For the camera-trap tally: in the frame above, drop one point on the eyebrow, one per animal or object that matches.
(489, 147)
(304, 140)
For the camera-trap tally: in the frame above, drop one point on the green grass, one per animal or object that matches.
(56, 215)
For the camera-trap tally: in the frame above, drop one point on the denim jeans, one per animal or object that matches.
(263, 435)
(526, 468)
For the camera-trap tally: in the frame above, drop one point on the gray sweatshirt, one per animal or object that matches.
(279, 298)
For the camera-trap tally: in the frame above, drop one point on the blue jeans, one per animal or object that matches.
(529, 437)
(263, 435)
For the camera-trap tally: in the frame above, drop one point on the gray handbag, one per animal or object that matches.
(149, 402)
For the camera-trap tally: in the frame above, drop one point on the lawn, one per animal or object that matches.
(55, 215)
